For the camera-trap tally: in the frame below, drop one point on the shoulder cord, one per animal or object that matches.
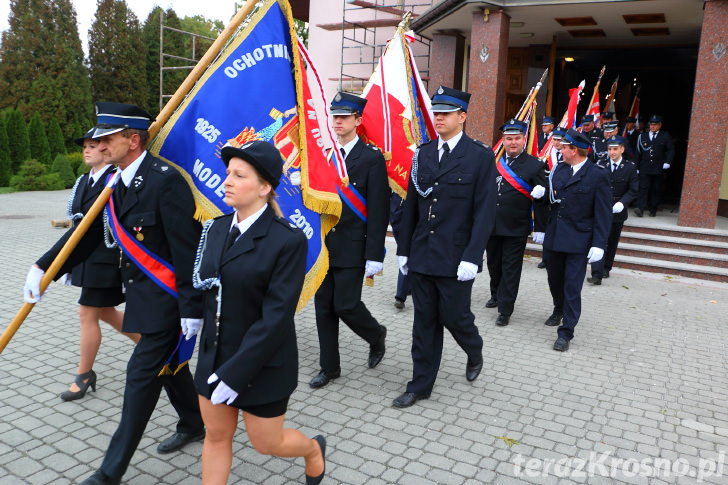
(69, 206)
(413, 174)
(552, 198)
(207, 283)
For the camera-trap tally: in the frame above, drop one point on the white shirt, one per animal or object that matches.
(615, 164)
(245, 224)
(95, 176)
(127, 175)
(653, 135)
(348, 147)
(452, 142)
(578, 166)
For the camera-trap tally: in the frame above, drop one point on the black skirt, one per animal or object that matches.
(101, 297)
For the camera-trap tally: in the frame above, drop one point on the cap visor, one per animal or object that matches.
(340, 111)
(444, 108)
(99, 132)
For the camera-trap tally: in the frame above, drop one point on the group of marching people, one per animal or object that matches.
(234, 284)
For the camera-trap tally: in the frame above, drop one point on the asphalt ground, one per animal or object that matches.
(640, 397)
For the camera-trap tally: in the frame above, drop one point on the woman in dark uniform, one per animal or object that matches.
(251, 264)
(98, 276)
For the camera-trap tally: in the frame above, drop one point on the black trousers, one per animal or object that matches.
(597, 269)
(650, 191)
(566, 273)
(505, 262)
(339, 297)
(439, 303)
(141, 394)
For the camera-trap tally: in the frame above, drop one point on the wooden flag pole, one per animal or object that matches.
(103, 197)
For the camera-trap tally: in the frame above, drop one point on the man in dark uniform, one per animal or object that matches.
(355, 245)
(624, 182)
(631, 133)
(610, 129)
(448, 217)
(576, 231)
(655, 152)
(607, 117)
(554, 158)
(154, 206)
(520, 185)
(396, 206)
(592, 132)
(547, 128)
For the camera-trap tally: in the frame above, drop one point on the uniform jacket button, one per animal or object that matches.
(333, 229)
(437, 183)
(434, 200)
(432, 232)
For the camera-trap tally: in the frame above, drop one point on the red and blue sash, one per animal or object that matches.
(517, 182)
(353, 199)
(159, 271)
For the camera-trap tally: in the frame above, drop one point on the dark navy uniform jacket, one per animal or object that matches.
(101, 268)
(583, 217)
(653, 153)
(454, 222)
(160, 203)
(624, 183)
(513, 209)
(262, 274)
(352, 242)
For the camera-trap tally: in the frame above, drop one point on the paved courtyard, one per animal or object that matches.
(641, 396)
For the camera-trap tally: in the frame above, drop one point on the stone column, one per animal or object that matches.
(708, 122)
(446, 61)
(487, 74)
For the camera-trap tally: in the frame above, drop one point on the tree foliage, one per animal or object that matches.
(18, 141)
(42, 69)
(116, 52)
(33, 175)
(55, 139)
(4, 155)
(62, 166)
(39, 147)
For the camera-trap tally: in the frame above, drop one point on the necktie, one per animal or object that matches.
(343, 153)
(652, 136)
(614, 166)
(120, 191)
(571, 172)
(445, 153)
(231, 237)
(509, 160)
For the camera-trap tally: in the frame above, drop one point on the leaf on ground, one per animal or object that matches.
(713, 301)
(508, 441)
(625, 287)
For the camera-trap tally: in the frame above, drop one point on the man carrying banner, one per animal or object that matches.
(448, 217)
(355, 244)
(547, 128)
(151, 214)
(577, 229)
(520, 183)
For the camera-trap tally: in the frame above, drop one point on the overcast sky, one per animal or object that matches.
(86, 9)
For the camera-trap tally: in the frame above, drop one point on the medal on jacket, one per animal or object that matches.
(139, 235)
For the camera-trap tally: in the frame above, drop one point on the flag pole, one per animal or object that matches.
(595, 93)
(610, 97)
(103, 197)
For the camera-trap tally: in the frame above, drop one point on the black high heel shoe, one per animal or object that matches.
(322, 444)
(83, 381)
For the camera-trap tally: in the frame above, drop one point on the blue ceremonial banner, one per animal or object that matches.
(248, 92)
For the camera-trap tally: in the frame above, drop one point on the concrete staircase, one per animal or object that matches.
(659, 247)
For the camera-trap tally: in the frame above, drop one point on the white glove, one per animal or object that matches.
(665, 166)
(65, 279)
(467, 271)
(190, 327)
(372, 268)
(617, 208)
(222, 393)
(595, 254)
(538, 192)
(31, 290)
(538, 237)
(402, 262)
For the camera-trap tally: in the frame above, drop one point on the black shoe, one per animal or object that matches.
(100, 478)
(472, 370)
(606, 274)
(316, 480)
(83, 381)
(638, 212)
(561, 344)
(178, 440)
(502, 320)
(542, 264)
(407, 399)
(653, 213)
(376, 351)
(554, 319)
(398, 304)
(594, 280)
(492, 303)
(323, 378)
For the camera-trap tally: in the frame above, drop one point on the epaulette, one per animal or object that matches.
(428, 141)
(373, 147)
(161, 167)
(478, 142)
(285, 223)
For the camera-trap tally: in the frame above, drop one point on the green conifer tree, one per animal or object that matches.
(4, 155)
(18, 140)
(39, 147)
(55, 139)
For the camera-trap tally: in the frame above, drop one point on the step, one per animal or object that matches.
(666, 241)
(719, 260)
(634, 224)
(655, 265)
